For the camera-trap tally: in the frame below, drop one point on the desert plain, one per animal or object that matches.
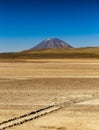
(29, 85)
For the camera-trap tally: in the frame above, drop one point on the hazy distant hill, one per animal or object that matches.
(51, 43)
(53, 53)
(53, 48)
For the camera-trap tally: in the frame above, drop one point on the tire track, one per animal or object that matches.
(28, 114)
(38, 113)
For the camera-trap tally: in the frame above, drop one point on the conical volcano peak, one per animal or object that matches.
(52, 43)
(55, 38)
(47, 39)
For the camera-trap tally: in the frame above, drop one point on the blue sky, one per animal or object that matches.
(24, 23)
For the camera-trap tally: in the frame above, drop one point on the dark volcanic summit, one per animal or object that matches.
(52, 43)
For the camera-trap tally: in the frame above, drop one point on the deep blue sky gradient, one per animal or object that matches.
(24, 23)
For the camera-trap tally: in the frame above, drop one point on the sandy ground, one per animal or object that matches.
(61, 68)
(72, 118)
(28, 86)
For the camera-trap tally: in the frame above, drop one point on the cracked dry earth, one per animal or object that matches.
(32, 85)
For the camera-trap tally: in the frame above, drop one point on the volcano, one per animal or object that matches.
(51, 43)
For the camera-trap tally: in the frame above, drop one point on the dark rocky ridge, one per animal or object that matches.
(51, 43)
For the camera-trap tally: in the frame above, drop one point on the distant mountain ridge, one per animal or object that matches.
(51, 43)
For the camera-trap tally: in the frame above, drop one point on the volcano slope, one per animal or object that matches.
(30, 85)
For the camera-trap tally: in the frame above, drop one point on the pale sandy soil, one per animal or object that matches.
(70, 118)
(61, 68)
(31, 85)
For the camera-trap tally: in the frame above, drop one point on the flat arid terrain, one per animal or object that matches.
(49, 94)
